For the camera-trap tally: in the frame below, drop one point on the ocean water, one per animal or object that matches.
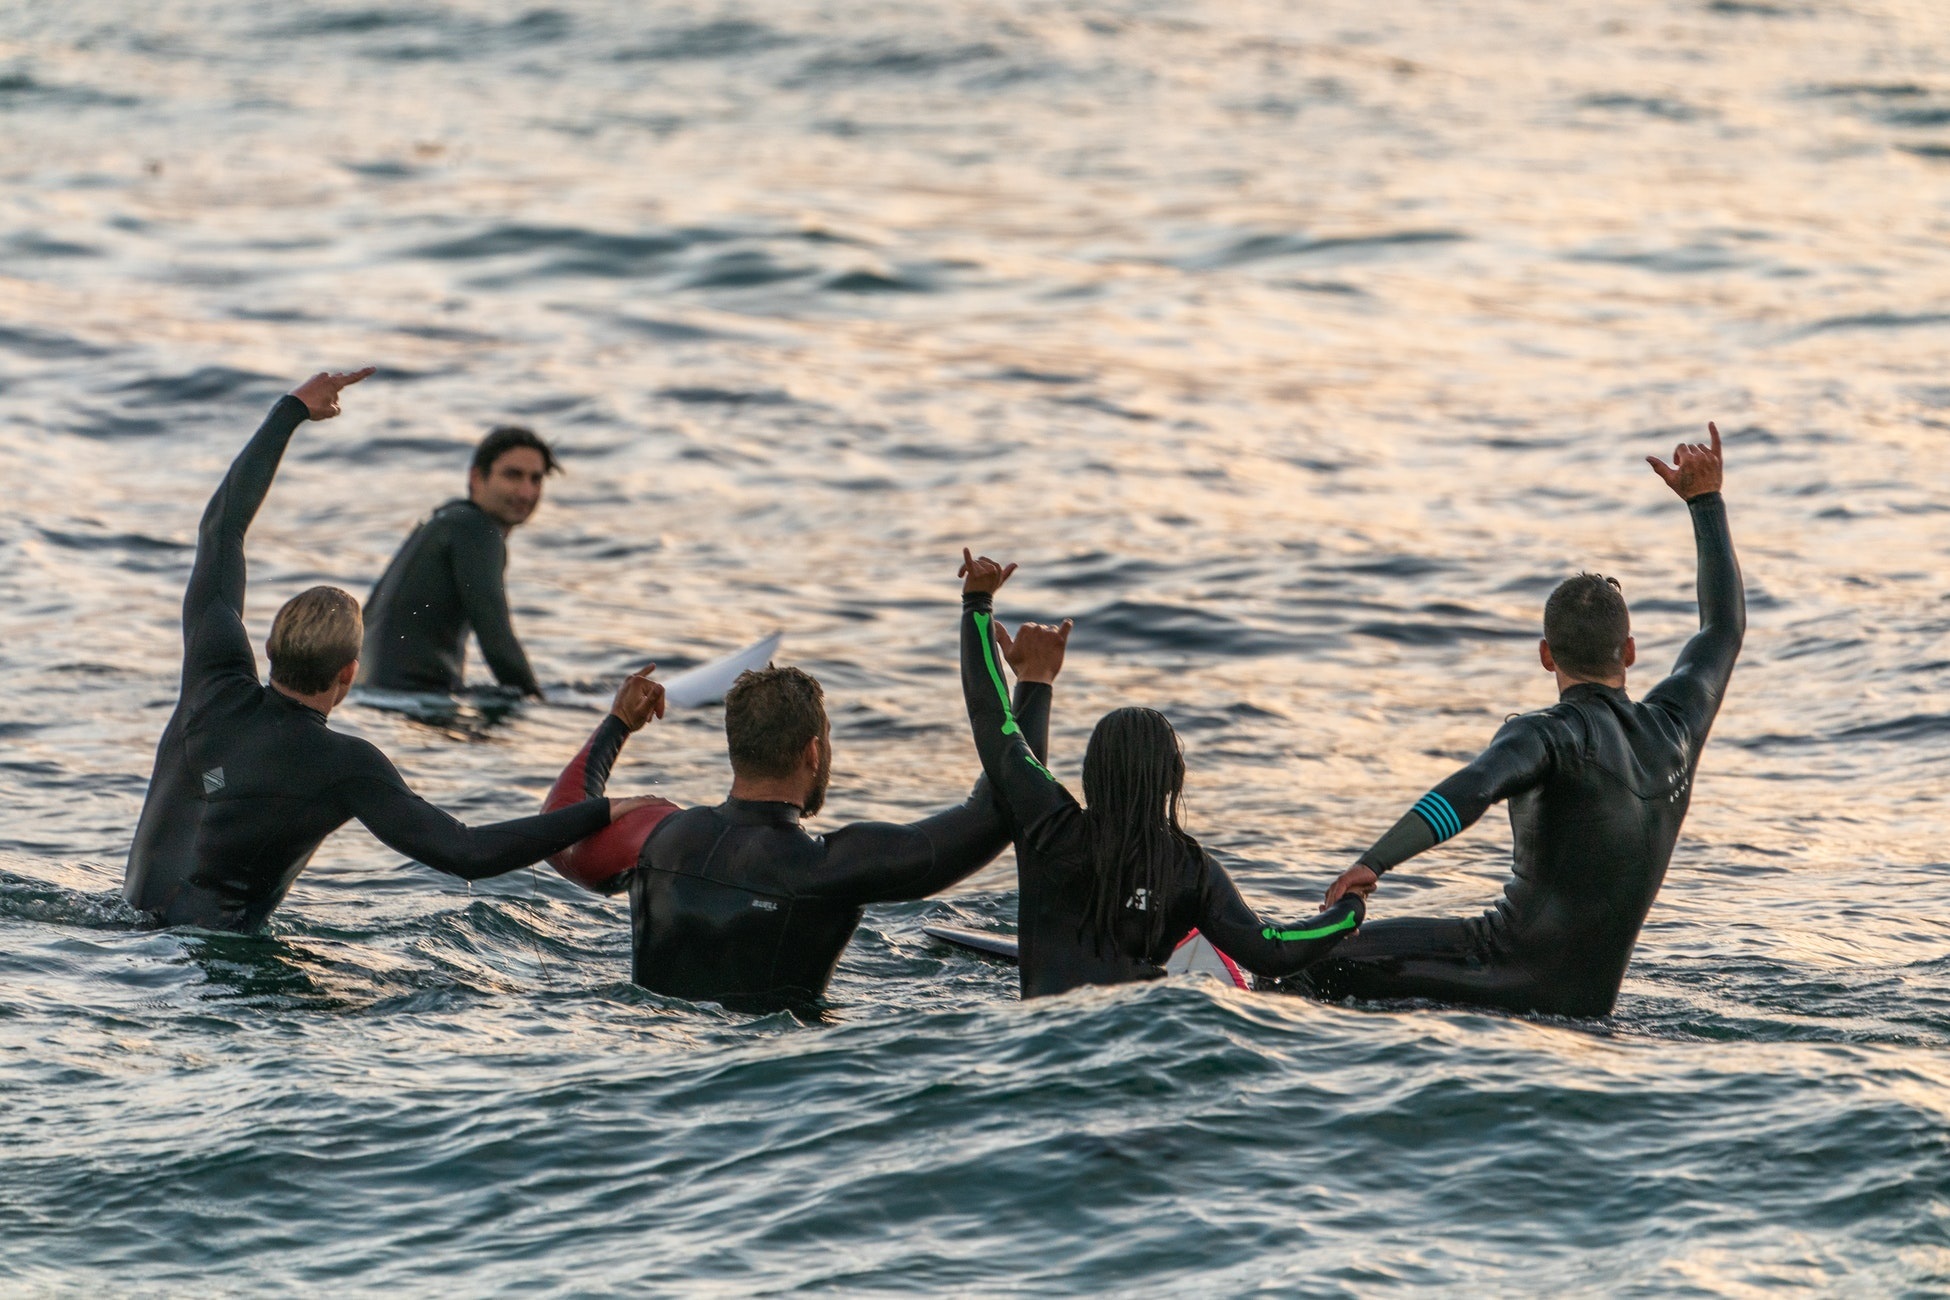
(1295, 350)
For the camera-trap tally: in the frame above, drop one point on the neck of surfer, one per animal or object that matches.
(324, 701)
(772, 789)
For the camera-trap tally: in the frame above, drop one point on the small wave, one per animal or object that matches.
(1257, 248)
(34, 244)
(873, 282)
(1672, 110)
(714, 40)
(1689, 260)
(377, 450)
(384, 170)
(354, 22)
(1878, 320)
(1934, 152)
(668, 330)
(892, 59)
(17, 87)
(1749, 9)
(45, 344)
(1020, 374)
(1916, 116)
(111, 541)
(1127, 625)
(109, 425)
(204, 384)
(1874, 89)
(594, 248)
(1439, 633)
(705, 396)
(744, 269)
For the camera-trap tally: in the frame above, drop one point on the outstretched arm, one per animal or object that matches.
(1516, 760)
(480, 558)
(1699, 680)
(1275, 951)
(214, 639)
(885, 862)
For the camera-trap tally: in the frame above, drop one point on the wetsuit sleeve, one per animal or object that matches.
(1025, 788)
(882, 862)
(1519, 758)
(587, 775)
(408, 824)
(1699, 680)
(480, 559)
(214, 639)
(1275, 951)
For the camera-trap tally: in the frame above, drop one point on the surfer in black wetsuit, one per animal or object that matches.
(738, 904)
(248, 777)
(449, 577)
(1107, 891)
(1598, 786)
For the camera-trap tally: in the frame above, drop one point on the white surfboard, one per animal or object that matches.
(707, 683)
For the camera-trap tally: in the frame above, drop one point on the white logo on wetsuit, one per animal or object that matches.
(765, 905)
(1141, 900)
(213, 780)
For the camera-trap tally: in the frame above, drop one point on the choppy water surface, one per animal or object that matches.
(1295, 349)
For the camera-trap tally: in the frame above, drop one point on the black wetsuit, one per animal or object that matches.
(738, 904)
(248, 781)
(448, 577)
(1056, 871)
(1598, 786)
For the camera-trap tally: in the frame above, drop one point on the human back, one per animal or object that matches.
(1591, 842)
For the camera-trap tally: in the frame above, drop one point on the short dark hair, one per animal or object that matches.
(769, 715)
(504, 438)
(313, 638)
(1586, 625)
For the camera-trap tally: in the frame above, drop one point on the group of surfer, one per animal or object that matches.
(738, 904)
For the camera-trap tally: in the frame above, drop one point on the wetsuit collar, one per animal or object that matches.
(760, 812)
(298, 705)
(1594, 690)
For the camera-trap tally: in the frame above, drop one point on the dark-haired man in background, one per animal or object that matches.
(1598, 785)
(738, 904)
(248, 779)
(450, 576)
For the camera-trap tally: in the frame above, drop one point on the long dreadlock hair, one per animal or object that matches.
(1133, 775)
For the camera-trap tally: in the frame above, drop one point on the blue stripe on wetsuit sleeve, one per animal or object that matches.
(1440, 815)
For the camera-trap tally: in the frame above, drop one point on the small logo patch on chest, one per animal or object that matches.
(765, 905)
(213, 780)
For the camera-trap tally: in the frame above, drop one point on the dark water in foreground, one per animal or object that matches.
(1295, 350)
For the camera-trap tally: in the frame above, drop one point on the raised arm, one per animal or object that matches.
(1516, 760)
(480, 559)
(214, 639)
(405, 822)
(602, 862)
(887, 862)
(1024, 786)
(1699, 680)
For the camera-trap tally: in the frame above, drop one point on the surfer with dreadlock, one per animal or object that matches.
(1109, 889)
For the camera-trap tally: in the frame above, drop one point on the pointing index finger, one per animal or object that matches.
(1713, 431)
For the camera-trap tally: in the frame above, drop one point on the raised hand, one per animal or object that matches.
(320, 393)
(1696, 469)
(1035, 652)
(981, 574)
(638, 699)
